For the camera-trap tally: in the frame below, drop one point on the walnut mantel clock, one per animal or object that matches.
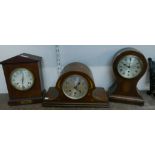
(76, 88)
(129, 66)
(23, 74)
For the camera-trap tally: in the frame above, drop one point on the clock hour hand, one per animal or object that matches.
(76, 87)
(126, 65)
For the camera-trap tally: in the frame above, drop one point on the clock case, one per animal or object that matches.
(32, 63)
(125, 90)
(95, 98)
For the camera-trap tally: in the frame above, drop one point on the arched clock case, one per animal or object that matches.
(129, 65)
(76, 88)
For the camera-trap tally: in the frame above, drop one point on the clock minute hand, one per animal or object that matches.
(22, 78)
(130, 62)
(76, 87)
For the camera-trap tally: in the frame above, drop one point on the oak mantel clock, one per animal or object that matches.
(76, 88)
(129, 66)
(23, 76)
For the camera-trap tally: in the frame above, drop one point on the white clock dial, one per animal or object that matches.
(130, 66)
(22, 79)
(75, 87)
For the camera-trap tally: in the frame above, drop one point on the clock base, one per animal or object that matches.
(118, 96)
(26, 101)
(127, 100)
(98, 99)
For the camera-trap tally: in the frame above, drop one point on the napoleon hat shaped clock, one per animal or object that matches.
(23, 74)
(75, 87)
(129, 66)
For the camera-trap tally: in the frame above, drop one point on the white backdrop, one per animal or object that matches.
(98, 58)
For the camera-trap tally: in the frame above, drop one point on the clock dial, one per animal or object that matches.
(130, 66)
(75, 87)
(22, 79)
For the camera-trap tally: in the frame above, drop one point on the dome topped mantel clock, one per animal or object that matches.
(76, 88)
(129, 66)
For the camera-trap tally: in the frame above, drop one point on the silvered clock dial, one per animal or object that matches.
(22, 79)
(75, 87)
(130, 66)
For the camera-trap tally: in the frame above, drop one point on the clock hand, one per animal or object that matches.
(76, 87)
(22, 78)
(126, 65)
(130, 62)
